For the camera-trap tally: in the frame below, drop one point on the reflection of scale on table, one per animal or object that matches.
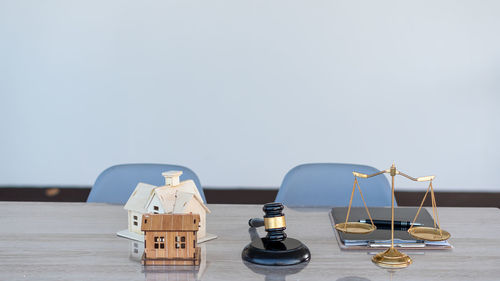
(391, 257)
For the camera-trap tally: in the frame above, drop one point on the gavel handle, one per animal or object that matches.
(256, 222)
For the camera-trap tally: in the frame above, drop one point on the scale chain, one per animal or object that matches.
(435, 207)
(350, 203)
(419, 208)
(366, 207)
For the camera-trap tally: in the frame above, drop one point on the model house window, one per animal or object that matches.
(156, 209)
(135, 221)
(181, 242)
(159, 242)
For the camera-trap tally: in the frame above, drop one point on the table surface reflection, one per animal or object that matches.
(77, 241)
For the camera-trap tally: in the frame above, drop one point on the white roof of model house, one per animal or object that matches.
(174, 198)
(140, 197)
(182, 199)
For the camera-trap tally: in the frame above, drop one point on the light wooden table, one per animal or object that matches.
(77, 241)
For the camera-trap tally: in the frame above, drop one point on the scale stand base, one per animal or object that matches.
(392, 258)
(265, 252)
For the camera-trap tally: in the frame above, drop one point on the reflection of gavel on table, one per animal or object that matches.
(275, 248)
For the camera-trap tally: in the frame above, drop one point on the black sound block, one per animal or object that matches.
(287, 252)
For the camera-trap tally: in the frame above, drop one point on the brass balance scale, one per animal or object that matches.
(392, 258)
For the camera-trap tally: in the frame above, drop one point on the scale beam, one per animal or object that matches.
(426, 178)
(365, 176)
(421, 179)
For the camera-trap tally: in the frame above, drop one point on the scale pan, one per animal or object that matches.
(355, 227)
(429, 233)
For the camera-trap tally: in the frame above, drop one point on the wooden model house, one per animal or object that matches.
(175, 197)
(170, 239)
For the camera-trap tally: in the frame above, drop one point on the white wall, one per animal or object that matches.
(243, 90)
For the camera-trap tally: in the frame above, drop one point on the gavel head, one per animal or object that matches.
(274, 221)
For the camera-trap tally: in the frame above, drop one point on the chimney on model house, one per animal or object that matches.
(172, 177)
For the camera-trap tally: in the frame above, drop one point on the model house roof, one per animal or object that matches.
(184, 186)
(170, 222)
(182, 199)
(140, 197)
(170, 195)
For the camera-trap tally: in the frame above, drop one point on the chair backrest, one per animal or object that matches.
(330, 184)
(116, 183)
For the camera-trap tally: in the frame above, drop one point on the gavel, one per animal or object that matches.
(275, 248)
(274, 221)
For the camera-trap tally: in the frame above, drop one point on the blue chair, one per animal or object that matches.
(116, 184)
(330, 184)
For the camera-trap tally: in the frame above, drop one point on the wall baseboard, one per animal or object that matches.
(250, 196)
(44, 194)
(450, 199)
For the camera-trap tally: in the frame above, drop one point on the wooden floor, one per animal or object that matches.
(247, 196)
